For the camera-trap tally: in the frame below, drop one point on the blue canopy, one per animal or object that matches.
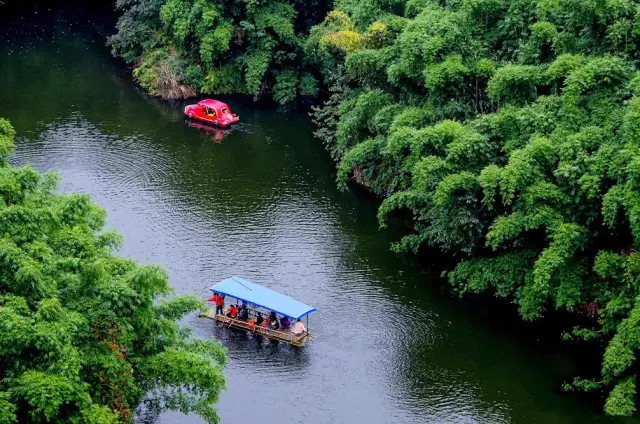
(261, 296)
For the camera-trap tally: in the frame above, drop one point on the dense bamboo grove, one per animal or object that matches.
(180, 47)
(86, 336)
(508, 129)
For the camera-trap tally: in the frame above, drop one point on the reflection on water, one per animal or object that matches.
(260, 201)
(214, 133)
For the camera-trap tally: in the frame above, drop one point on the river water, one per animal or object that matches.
(261, 202)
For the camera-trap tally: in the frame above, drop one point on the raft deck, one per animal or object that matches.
(285, 336)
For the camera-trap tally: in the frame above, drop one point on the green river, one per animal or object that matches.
(261, 202)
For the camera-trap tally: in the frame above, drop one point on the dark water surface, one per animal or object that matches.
(262, 203)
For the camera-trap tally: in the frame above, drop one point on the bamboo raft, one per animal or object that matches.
(285, 336)
(259, 298)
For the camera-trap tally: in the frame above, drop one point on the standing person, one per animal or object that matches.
(219, 304)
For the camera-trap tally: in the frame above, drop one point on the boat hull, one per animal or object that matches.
(216, 122)
(279, 335)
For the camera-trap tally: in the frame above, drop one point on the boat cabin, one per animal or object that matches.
(260, 301)
(214, 108)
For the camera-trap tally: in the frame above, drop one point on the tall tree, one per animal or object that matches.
(86, 336)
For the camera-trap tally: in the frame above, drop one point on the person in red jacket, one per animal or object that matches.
(233, 311)
(219, 301)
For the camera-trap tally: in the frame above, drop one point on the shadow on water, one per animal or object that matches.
(388, 348)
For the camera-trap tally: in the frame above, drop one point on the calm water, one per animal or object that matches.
(262, 203)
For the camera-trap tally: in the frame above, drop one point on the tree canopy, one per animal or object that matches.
(180, 47)
(86, 336)
(509, 130)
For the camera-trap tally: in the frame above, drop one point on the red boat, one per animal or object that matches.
(212, 112)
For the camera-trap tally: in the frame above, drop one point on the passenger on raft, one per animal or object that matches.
(217, 300)
(273, 321)
(233, 311)
(298, 328)
(219, 303)
(259, 320)
(243, 312)
(285, 323)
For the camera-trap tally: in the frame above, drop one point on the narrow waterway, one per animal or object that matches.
(260, 202)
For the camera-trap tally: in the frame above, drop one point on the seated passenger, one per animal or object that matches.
(298, 328)
(274, 324)
(243, 313)
(233, 311)
(285, 323)
(259, 320)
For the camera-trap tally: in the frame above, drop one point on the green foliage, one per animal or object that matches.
(308, 85)
(256, 67)
(162, 73)
(214, 48)
(221, 80)
(85, 336)
(583, 384)
(515, 83)
(509, 131)
(7, 134)
(621, 401)
(364, 67)
(286, 86)
(137, 29)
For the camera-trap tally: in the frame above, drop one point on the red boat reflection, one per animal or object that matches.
(217, 134)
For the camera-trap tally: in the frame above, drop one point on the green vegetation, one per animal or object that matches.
(179, 47)
(86, 336)
(509, 131)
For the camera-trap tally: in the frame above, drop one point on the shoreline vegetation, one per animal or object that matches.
(508, 130)
(87, 337)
